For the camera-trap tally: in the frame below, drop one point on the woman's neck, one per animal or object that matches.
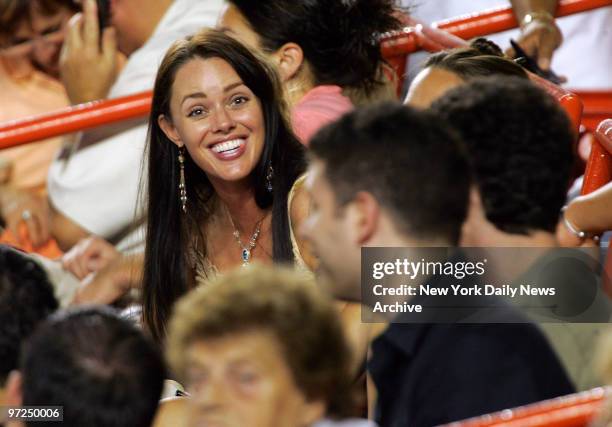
(299, 85)
(237, 199)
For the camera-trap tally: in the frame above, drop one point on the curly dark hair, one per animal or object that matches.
(283, 302)
(26, 298)
(339, 38)
(520, 144)
(481, 58)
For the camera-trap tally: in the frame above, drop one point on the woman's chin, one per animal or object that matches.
(227, 177)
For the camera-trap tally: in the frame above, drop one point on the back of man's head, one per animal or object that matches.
(99, 367)
(409, 160)
(26, 298)
(520, 144)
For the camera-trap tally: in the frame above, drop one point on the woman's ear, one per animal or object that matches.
(169, 130)
(289, 58)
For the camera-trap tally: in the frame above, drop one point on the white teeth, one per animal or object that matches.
(227, 145)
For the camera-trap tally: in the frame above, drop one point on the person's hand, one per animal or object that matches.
(104, 287)
(88, 68)
(23, 207)
(539, 38)
(112, 282)
(89, 256)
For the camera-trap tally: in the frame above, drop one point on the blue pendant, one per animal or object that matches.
(246, 255)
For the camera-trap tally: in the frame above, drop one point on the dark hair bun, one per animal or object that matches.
(340, 38)
(486, 47)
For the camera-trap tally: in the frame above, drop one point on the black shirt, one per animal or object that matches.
(430, 374)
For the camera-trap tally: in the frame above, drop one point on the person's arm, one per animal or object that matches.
(40, 219)
(540, 35)
(591, 214)
(299, 209)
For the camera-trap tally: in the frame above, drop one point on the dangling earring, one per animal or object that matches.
(269, 177)
(182, 188)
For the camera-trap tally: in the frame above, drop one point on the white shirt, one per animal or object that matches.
(97, 187)
(585, 57)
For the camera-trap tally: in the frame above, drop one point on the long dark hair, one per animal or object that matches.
(340, 39)
(168, 272)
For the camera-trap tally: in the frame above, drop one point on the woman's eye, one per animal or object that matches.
(239, 100)
(197, 111)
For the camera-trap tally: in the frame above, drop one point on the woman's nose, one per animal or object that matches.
(222, 120)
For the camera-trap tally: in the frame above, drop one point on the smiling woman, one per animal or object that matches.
(222, 163)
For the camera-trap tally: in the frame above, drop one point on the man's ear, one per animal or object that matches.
(13, 394)
(169, 130)
(289, 58)
(365, 213)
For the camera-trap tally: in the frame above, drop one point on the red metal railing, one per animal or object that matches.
(394, 47)
(74, 119)
(597, 107)
(575, 410)
(478, 24)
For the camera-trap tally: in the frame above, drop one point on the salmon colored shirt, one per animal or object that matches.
(320, 106)
(26, 92)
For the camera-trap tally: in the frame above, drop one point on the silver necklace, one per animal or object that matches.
(248, 248)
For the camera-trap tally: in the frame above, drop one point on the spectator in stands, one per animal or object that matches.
(98, 367)
(26, 298)
(30, 36)
(359, 180)
(519, 141)
(261, 347)
(222, 165)
(319, 48)
(448, 69)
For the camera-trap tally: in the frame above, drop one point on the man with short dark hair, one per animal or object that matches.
(97, 366)
(519, 141)
(26, 298)
(391, 176)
